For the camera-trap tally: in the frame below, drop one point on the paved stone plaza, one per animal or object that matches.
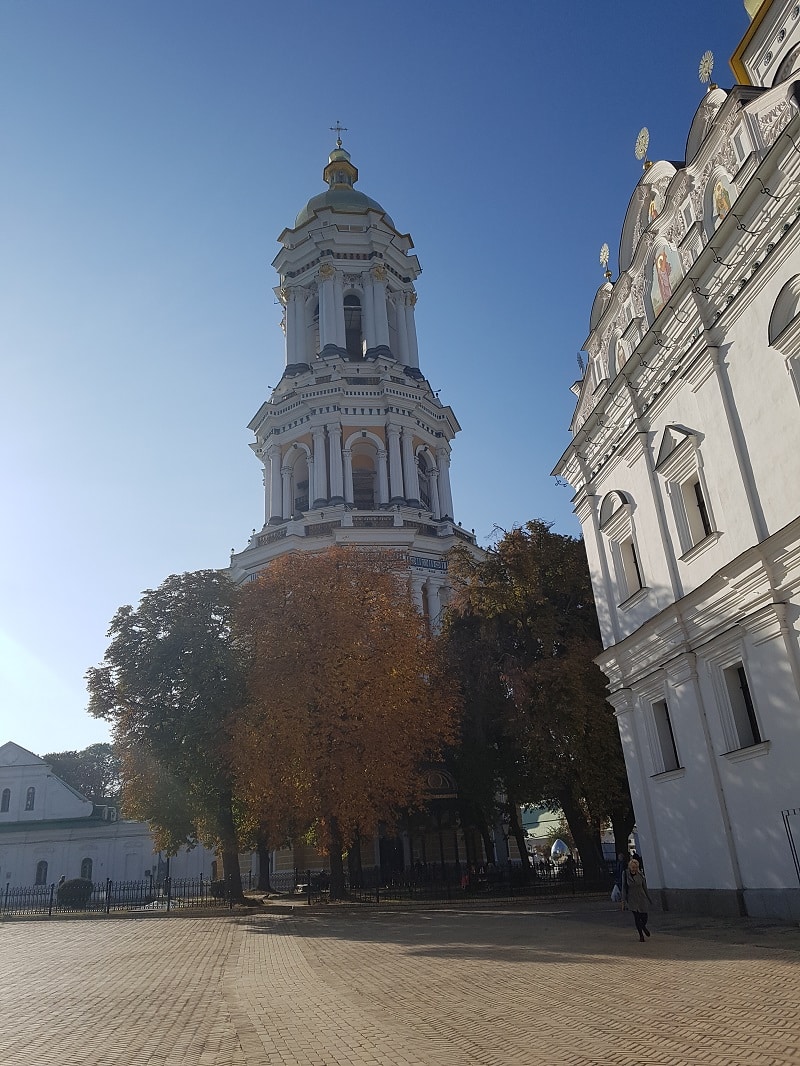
(561, 982)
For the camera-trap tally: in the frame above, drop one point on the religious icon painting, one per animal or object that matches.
(666, 275)
(720, 195)
(655, 205)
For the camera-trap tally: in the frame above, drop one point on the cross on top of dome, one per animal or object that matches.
(338, 129)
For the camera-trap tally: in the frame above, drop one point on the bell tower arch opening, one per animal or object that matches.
(353, 327)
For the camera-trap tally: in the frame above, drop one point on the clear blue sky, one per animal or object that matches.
(152, 153)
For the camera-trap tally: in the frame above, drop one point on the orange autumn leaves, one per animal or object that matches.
(347, 696)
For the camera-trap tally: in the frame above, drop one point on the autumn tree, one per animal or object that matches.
(95, 771)
(526, 612)
(171, 677)
(347, 696)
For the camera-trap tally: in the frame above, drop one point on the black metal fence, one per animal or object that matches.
(105, 897)
(459, 883)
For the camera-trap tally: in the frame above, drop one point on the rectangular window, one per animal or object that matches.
(630, 567)
(666, 737)
(696, 509)
(745, 722)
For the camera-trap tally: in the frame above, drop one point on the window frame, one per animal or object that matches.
(30, 799)
(730, 657)
(620, 533)
(664, 734)
(684, 476)
(5, 801)
(744, 719)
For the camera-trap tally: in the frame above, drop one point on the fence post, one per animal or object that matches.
(108, 894)
(50, 904)
(168, 886)
(230, 892)
(308, 886)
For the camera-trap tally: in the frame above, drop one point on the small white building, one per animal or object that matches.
(49, 831)
(685, 461)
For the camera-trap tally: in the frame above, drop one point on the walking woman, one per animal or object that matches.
(635, 894)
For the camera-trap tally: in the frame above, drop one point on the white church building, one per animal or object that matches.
(685, 461)
(49, 831)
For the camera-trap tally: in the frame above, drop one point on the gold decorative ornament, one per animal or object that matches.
(604, 260)
(705, 69)
(642, 142)
(326, 271)
(379, 272)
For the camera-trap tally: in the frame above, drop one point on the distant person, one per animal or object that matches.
(636, 896)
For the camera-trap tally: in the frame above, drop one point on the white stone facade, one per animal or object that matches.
(685, 461)
(49, 831)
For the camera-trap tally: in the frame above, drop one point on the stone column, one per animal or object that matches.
(347, 456)
(410, 478)
(395, 465)
(335, 454)
(274, 457)
(402, 329)
(445, 495)
(411, 330)
(383, 479)
(286, 475)
(417, 581)
(381, 318)
(368, 311)
(327, 319)
(433, 483)
(434, 605)
(320, 488)
(338, 309)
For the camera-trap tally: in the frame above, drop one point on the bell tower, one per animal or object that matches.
(354, 443)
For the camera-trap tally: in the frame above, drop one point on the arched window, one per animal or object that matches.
(353, 340)
(300, 485)
(616, 523)
(363, 458)
(41, 872)
(5, 802)
(30, 798)
(86, 869)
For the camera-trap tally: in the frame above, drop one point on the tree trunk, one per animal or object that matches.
(519, 836)
(486, 836)
(262, 849)
(337, 888)
(622, 823)
(229, 846)
(354, 864)
(586, 837)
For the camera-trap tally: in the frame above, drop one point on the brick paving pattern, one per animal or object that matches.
(561, 983)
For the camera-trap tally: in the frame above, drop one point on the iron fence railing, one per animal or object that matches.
(108, 896)
(458, 882)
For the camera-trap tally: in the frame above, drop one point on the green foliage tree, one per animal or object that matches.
(170, 679)
(95, 772)
(526, 613)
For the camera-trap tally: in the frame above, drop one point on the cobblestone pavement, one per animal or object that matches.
(557, 983)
